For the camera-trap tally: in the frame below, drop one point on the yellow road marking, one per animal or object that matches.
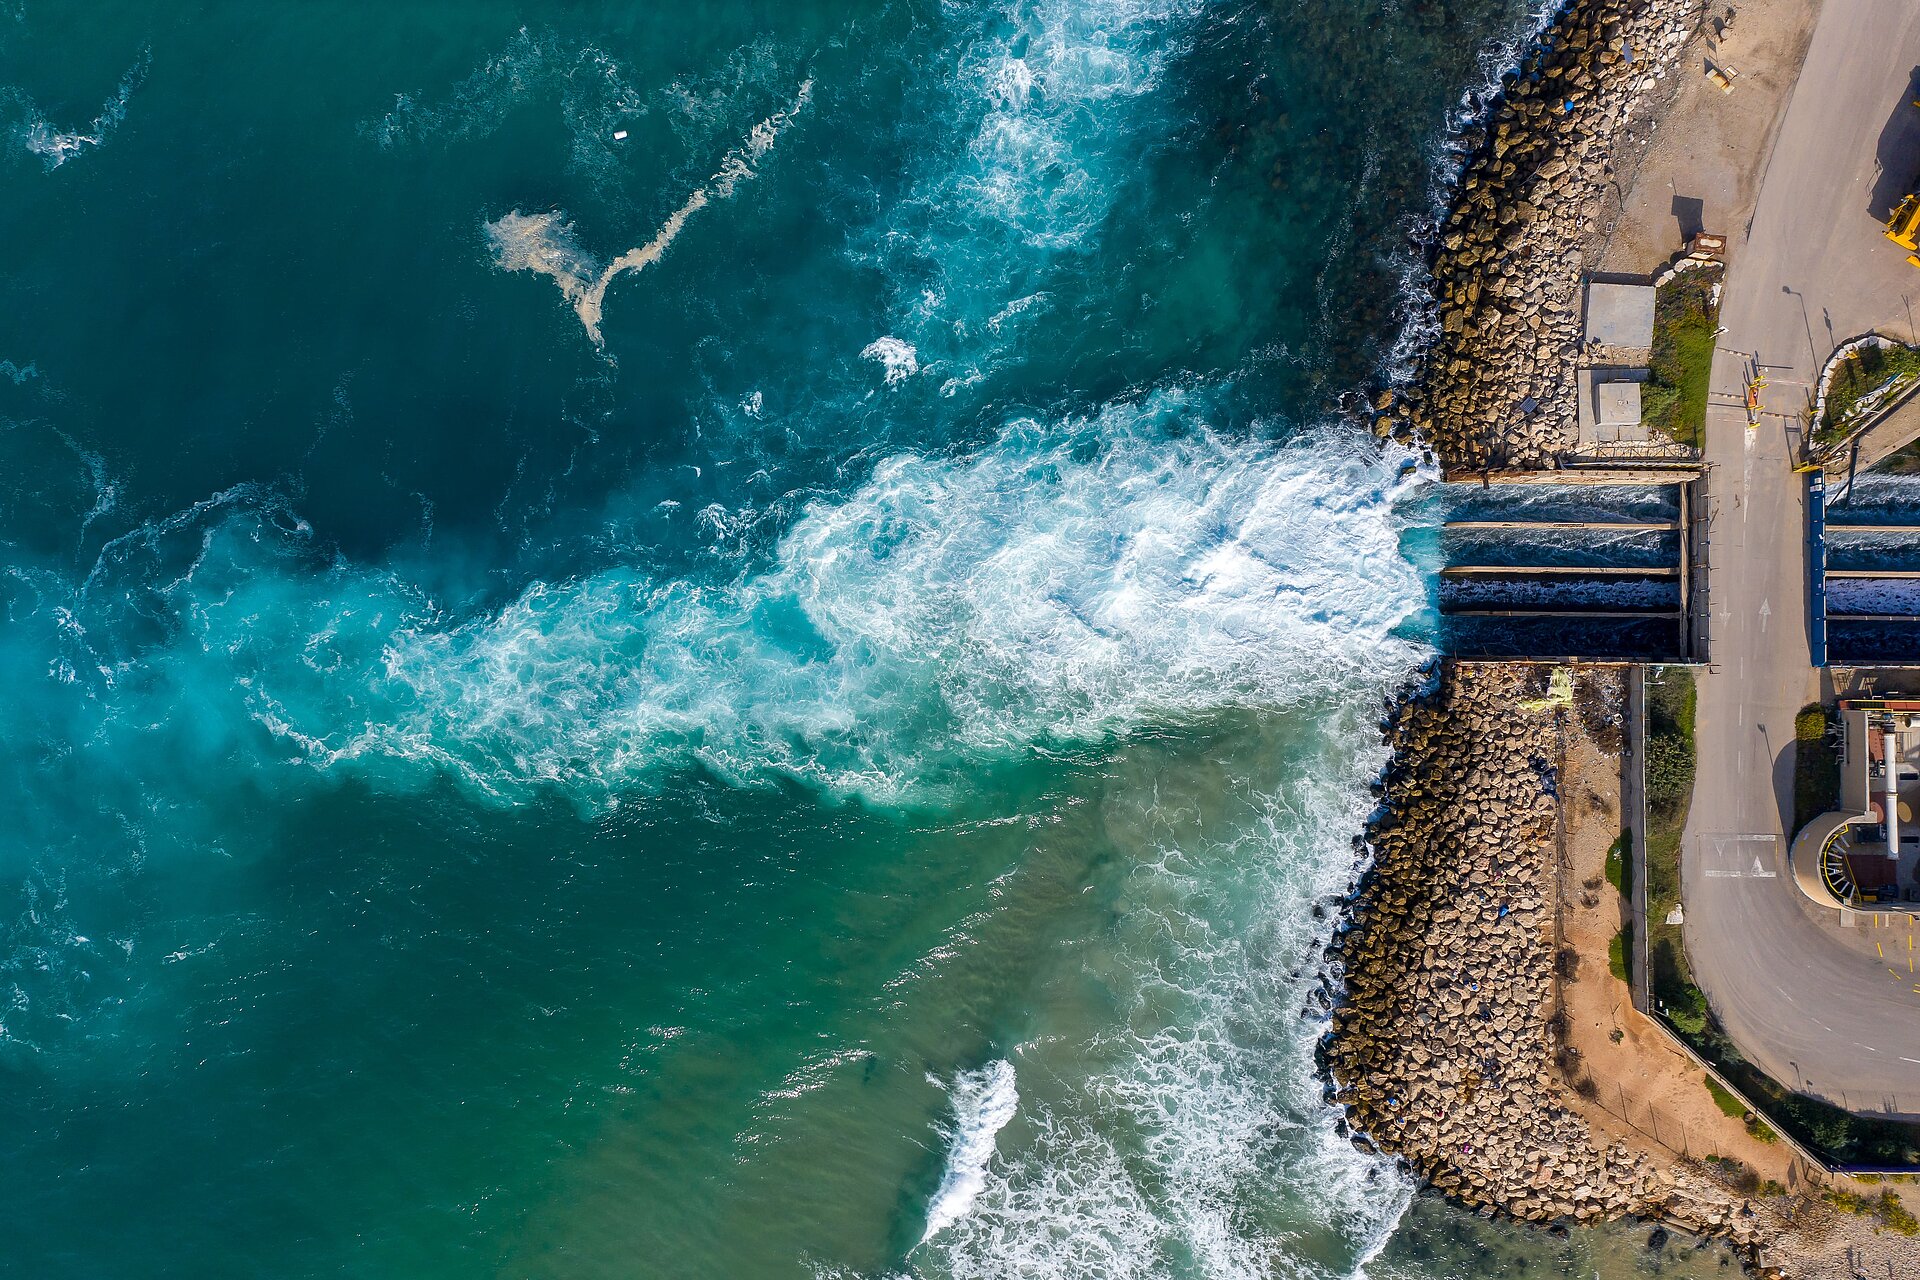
(1883, 954)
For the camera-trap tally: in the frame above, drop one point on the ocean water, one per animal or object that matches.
(716, 639)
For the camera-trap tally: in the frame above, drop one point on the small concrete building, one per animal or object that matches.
(1620, 315)
(1617, 403)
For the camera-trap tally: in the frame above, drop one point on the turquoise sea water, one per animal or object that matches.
(849, 775)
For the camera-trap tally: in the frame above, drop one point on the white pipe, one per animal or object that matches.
(1890, 789)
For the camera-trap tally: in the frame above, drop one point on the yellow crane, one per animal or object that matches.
(1904, 224)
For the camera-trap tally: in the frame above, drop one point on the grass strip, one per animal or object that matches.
(1685, 318)
(1816, 766)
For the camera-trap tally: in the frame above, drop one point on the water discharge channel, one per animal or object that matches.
(1565, 572)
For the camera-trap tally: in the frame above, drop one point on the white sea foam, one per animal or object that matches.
(1066, 583)
(1191, 1127)
(983, 1102)
(1873, 595)
(56, 146)
(1048, 106)
(899, 360)
(18, 374)
(545, 243)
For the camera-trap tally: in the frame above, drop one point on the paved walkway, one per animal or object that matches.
(1810, 1002)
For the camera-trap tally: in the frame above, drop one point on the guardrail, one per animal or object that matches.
(1817, 567)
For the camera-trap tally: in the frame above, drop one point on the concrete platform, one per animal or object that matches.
(1620, 315)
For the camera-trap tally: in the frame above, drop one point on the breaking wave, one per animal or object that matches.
(1189, 1135)
(545, 243)
(1068, 582)
(983, 1102)
(55, 146)
(897, 359)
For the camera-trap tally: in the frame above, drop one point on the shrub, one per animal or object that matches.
(1728, 1104)
(1567, 964)
(1896, 1216)
(1669, 774)
(1620, 865)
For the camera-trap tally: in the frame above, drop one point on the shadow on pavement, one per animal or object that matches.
(1898, 153)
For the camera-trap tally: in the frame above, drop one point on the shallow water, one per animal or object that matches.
(844, 775)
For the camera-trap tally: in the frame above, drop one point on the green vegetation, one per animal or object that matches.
(1670, 765)
(1869, 370)
(1674, 399)
(1816, 766)
(1617, 952)
(1840, 1137)
(1620, 865)
(1893, 1215)
(1728, 1104)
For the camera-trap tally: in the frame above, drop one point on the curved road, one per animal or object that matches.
(1828, 1008)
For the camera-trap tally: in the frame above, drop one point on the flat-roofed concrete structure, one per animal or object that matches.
(1620, 315)
(1617, 403)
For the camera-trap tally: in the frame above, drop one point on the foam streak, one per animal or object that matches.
(55, 146)
(544, 242)
(983, 1102)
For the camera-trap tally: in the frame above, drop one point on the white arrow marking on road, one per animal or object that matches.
(1766, 611)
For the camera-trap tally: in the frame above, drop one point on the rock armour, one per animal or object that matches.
(1444, 1049)
(1495, 388)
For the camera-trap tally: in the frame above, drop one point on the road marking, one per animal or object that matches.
(1766, 611)
(1876, 947)
(1730, 856)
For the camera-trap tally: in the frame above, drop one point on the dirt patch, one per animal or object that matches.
(1644, 1089)
(1699, 168)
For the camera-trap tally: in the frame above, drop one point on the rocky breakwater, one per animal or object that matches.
(1444, 1050)
(1495, 387)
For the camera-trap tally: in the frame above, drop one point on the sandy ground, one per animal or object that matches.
(1700, 168)
(1650, 1093)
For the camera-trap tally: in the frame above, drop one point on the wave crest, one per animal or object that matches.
(983, 1102)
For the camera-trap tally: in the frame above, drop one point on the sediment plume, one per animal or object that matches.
(545, 243)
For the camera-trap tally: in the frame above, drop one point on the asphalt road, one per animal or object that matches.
(1810, 1002)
